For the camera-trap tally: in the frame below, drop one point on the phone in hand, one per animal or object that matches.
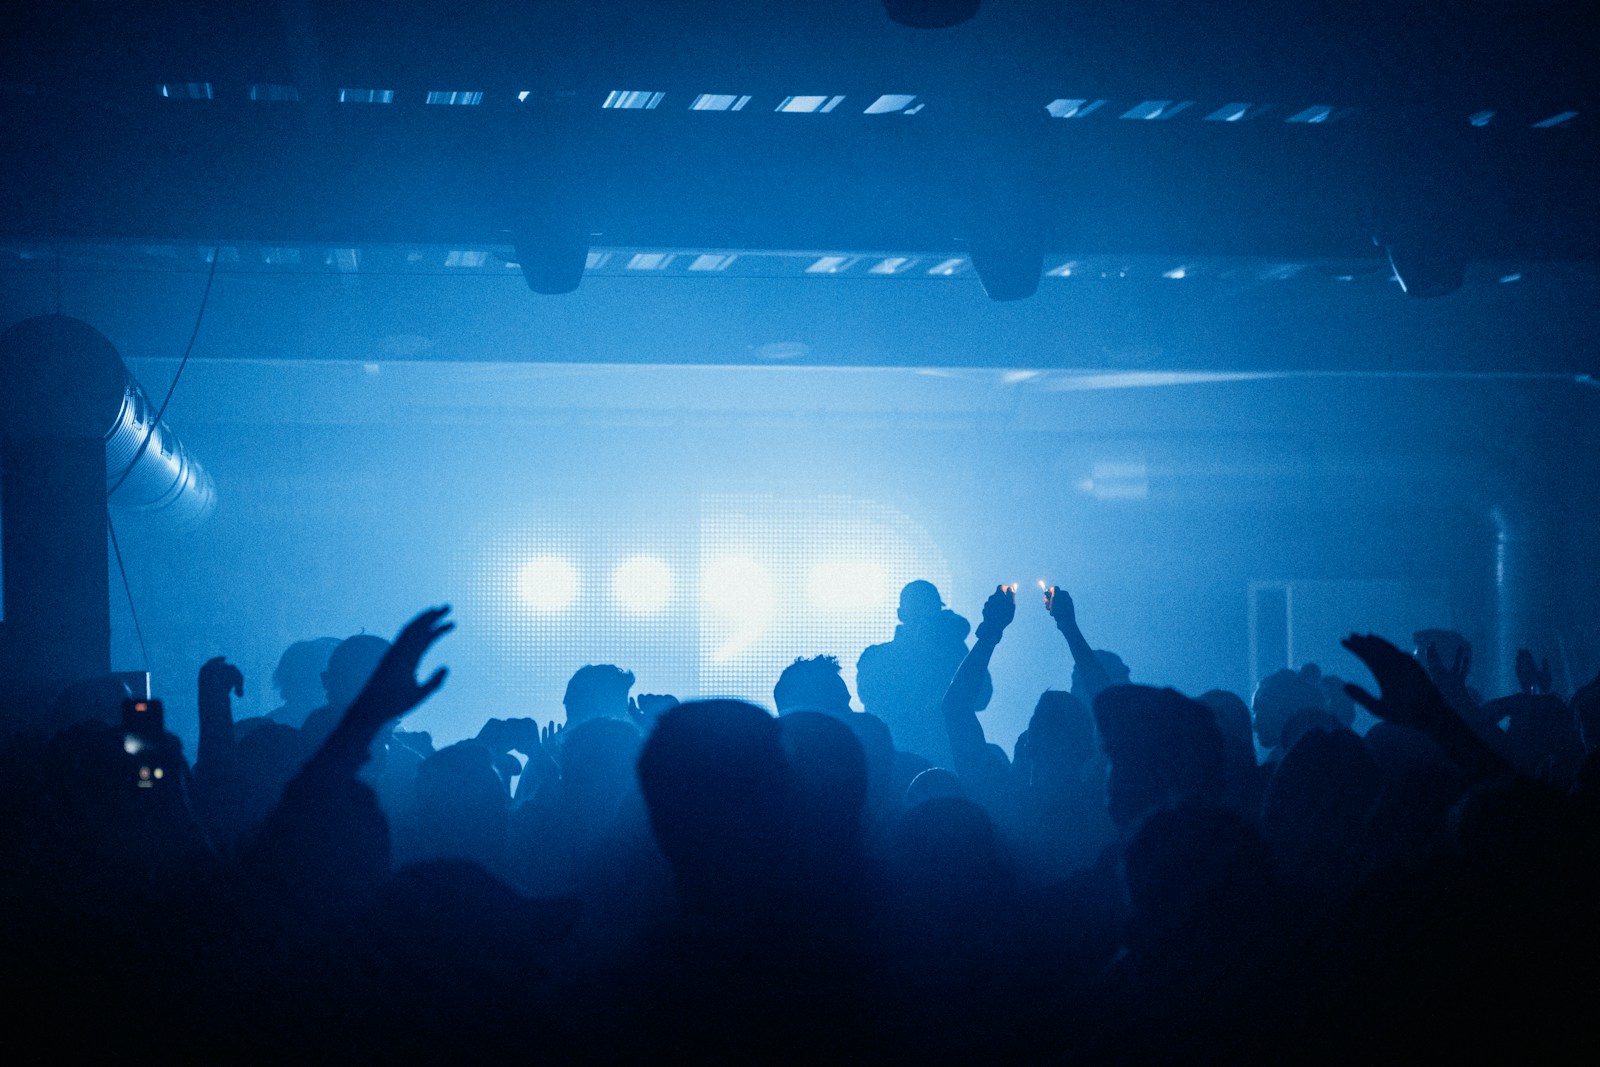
(143, 732)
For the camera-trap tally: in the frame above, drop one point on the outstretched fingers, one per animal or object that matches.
(435, 680)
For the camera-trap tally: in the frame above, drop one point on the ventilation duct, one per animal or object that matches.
(165, 478)
(63, 379)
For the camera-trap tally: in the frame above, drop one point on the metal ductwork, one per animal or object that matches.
(165, 478)
(63, 379)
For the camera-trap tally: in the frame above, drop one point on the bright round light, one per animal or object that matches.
(847, 586)
(547, 583)
(642, 584)
(738, 587)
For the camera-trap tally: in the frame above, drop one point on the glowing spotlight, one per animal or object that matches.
(740, 591)
(738, 587)
(847, 586)
(642, 584)
(547, 583)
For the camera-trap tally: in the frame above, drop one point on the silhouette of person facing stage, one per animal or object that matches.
(903, 681)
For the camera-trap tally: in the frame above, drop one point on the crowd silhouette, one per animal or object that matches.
(1146, 876)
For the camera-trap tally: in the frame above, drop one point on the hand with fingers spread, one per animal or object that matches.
(393, 689)
(550, 737)
(1408, 697)
(1452, 679)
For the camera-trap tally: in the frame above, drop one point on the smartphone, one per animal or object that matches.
(145, 719)
(143, 725)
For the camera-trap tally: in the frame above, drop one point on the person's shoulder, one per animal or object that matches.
(881, 650)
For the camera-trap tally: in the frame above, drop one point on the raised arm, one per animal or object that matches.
(1090, 669)
(965, 693)
(218, 678)
(392, 691)
(1408, 697)
(327, 838)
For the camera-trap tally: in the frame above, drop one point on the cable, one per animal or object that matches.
(116, 549)
(150, 431)
(127, 591)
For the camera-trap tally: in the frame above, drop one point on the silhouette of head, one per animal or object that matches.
(1060, 734)
(597, 691)
(828, 771)
(1163, 749)
(950, 858)
(716, 783)
(1279, 697)
(462, 803)
(1114, 668)
(933, 782)
(298, 676)
(919, 602)
(813, 684)
(350, 665)
(1318, 807)
(597, 762)
(1232, 716)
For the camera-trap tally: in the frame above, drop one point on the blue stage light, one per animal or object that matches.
(547, 583)
(642, 584)
(741, 593)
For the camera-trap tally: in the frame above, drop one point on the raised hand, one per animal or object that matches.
(503, 735)
(1408, 697)
(998, 611)
(549, 738)
(393, 688)
(1530, 679)
(218, 677)
(1059, 604)
(644, 710)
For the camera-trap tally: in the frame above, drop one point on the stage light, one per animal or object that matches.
(632, 99)
(891, 104)
(742, 593)
(719, 102)
(642, 584)
(738, 587)
(547, 583)
(1063, 108)
(847, 586)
